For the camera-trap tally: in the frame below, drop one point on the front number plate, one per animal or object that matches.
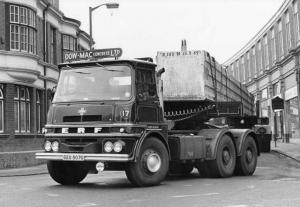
(73, 157)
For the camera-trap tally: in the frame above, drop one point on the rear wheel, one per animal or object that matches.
(151, 166)
(246, 163)
(67, 173)
(224, 164)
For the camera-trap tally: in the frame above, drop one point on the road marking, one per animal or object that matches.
(52, 195)
(251, 186)
(86, 204)
(134, 200)
(242, 205)
(264, 167)
(188, 185)
(194, 195)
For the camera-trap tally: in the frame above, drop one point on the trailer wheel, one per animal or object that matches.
(151, 166)
(224, 164)
(67, 173)
(180, 168)
(246, 163)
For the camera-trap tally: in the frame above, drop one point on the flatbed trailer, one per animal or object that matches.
(110, 115)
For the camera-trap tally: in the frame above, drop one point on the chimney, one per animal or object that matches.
(183, 46)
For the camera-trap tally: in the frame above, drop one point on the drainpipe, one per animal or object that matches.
(45, 59)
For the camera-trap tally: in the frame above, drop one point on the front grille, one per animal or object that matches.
(82, 118)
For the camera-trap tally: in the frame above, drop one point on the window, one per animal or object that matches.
(276, 88)
(247, 66)
(264, 93)
(69, 43)
(1, 109)
(296, 21)
(242, 70)
(52, 52)
(288, 30)
(237, 74)
(253, 62)
(260, 57)
(22, 29)
(280, 40)
(266, 51)
(38, 111)
(273, 46)
(22, 109)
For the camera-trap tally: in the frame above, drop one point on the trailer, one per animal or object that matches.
(112, 114)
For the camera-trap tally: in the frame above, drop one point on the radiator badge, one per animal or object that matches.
(82, 111)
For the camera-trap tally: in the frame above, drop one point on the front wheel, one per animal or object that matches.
(67, 173)
(151, 166)
(246, 163)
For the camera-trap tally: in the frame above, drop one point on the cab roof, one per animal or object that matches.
(133, 62)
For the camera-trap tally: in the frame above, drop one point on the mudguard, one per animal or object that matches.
(212, 139)
(239, 138)
(148, 133)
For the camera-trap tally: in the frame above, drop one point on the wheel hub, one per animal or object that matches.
(226, 157)
(153, 162)
(249, 156)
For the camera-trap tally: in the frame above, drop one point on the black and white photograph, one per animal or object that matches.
(149, 103)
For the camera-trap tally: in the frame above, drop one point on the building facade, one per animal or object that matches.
(33, 36)
(269, 65)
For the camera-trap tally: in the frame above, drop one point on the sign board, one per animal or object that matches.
(92, 54)
(277, 103)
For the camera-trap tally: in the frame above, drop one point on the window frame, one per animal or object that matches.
(24, 41)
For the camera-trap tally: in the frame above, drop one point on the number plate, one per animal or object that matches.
(73, 157)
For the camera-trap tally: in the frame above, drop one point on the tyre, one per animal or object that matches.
(180, 169)
(67, 173)
(224, 164)
(151, 166)
(246, 163)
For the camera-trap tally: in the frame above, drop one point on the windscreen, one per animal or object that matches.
(94, 83)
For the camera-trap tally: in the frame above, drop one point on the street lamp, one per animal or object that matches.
(91, 9)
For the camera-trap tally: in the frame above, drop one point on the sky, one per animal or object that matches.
(144, 27)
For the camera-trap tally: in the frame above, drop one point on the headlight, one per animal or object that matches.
(55, 146)
(118, 147)
(108, 147)
(47, 146)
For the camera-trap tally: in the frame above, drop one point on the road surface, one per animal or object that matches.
(276, 182)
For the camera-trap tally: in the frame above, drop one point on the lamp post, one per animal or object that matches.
(91, 9)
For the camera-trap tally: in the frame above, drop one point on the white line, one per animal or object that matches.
(194, 195)
(134, 200)
(86, 204)
(52, 195)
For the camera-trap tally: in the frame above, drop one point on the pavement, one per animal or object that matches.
(291, 150)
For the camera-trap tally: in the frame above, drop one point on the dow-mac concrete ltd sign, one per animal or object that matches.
(92, 54)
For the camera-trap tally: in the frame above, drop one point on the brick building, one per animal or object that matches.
(269, 65)
(33, 36)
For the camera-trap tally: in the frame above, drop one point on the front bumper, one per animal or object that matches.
(85, 156)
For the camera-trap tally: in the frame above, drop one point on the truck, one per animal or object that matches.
(111, 114)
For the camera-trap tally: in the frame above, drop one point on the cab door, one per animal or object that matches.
(148, 109)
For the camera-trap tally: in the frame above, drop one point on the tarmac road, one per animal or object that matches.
(276, 182)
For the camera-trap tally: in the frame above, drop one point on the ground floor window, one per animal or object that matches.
(1, 109)
(292, 117)
(22, 109)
